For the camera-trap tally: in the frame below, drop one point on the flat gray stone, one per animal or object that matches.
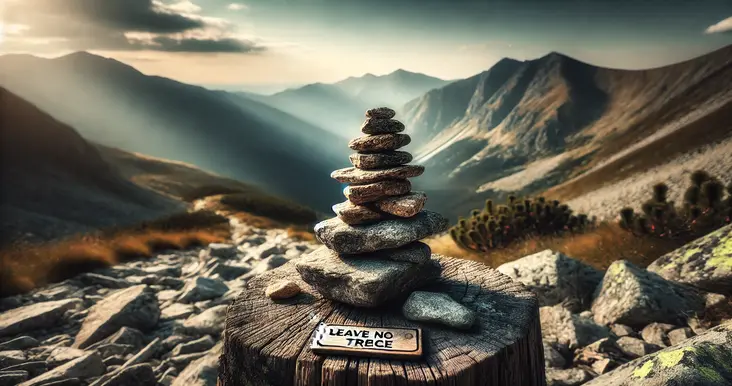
(35, 316)
(33, 368)
(195, 346)
(61, 355)
(635, 348)
(555, 278)
(705, 263)
(201, 372)
(202, 288)
(656, 333)
(381, 126)
(363, 282)
(379, 142)
(552, 357)
(137, 375)
(702, 360)
(567, 377)
(561, 327)
(434, 307)
(357, 176)
(679, 335)
(90, 278)
(223, 251)
(416, 252)
(11, 358)
(19, 343)
(135, 307)
(177, 311)
(209, 322)
(636, 297)
(344, 238)
(387, 159)
(372, 192)
(87, 366)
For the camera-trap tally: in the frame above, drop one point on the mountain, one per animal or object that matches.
(339, 107)
(115, 105)
(526, 126)
(56, 183)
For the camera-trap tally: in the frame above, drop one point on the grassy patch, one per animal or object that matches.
(24, 267)
(268, 206)
(598, 247)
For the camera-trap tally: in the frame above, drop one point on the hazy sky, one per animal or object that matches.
(302, 41)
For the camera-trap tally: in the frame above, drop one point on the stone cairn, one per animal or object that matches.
(372, 253)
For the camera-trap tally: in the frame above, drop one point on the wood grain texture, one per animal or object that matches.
(267, 342)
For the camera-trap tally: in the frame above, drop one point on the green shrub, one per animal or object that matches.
(705, 209)
(496, 226)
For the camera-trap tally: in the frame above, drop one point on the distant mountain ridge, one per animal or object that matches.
(116, 105)
(555, 114)
(339, 107)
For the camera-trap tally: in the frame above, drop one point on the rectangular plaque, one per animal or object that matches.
(380, 342)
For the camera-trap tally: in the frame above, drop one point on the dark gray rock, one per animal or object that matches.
(19, 343)
(87, 366)
(553, 358)
(33, 368)
(561, 327)
(555, 278)
(124, 336)
(636, 297)
(347, 239)
(223, 251)
(434, 307)
(137, 375)
(363, 282)
(567, 377)
(202, 288)
(379, 142)
(61, 355)
(635, 348)
(135, 307)
(35, 316)
(705, 263)
(164, 270)
(416, 252)
(380, 113)
(655, 333)
(226, 271)
(195, 346)
(90, 278)
(12, 377)
(181, 361)
(110, 349)
(381, 126)
(114, 360)
(387, 159)
(702, 360)
(357, 176)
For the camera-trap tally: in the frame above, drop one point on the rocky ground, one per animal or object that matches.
(147, 322)
(158, 321)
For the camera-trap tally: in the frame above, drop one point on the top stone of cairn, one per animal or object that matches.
(371, 251)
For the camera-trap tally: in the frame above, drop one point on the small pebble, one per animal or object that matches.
(282, 290)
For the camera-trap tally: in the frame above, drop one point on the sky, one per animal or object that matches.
(269, 44)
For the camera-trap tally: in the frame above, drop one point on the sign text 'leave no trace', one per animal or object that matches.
(368, 341)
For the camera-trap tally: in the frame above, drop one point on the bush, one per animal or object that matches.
(704, 209)
(497, 226)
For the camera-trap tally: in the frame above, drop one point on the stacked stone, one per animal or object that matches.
(371, 251)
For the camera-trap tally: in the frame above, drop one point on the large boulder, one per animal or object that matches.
(705, 263)
(135, 307)
(555, 278)
(363, 281)
(348, 239)
(560, 327)
(703, 360)
(636, 297)
(35, 316)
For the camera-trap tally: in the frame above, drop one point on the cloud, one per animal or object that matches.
(723, 26)
(236, 7)
(119, 25)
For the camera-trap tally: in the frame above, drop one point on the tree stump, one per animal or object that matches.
(267, 342)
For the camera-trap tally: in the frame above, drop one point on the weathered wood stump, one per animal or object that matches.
(267, 342)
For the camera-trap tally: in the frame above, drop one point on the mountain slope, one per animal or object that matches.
(55, 183)
(115, 105)
(526, 126)
(339, 107)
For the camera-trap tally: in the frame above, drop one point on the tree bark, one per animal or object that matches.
(267, 342)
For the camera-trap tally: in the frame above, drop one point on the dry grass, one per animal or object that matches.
(24, 267)
(598, 247)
